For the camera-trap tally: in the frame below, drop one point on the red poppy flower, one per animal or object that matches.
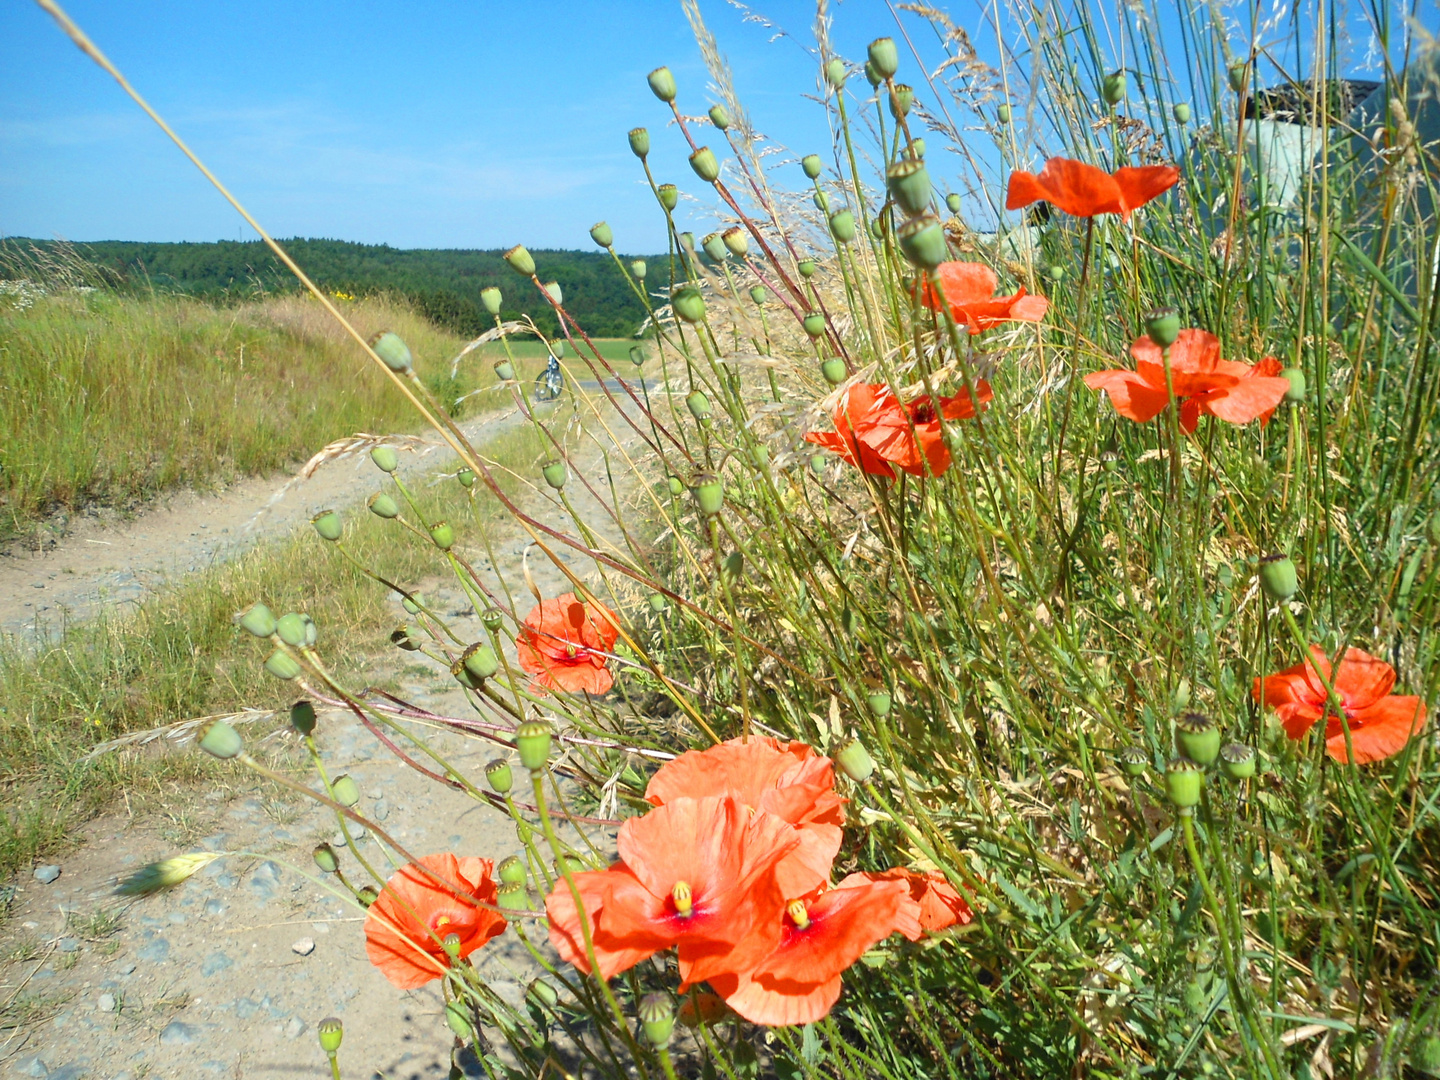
(849, 419)
(1204, 384)
(1084, 191)
(940, 903)
(1381, 723)
(821, 936)
(970, 291)
(697, 873)
(788, 780)
(886, 433)
(563, 645)
(414, 913)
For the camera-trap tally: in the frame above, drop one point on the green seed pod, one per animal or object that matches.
(705, 166)
(952, 203)
(709, 494)
(1055, 273)
(855, 761)
(331, 1031)
(258, 621)
(842, 226)
(1132, 761)
(814, 324)
(835, 73)
(542, 993)
(492, 618)
(393, 351)
(719, 117)
(413, 603)
(657, 1019)
(512, 898)
(532, 740)
(821, 201)
(879, 703)
(1237, 761)
(302, 717)
(873, 77)
(687, 241)
(555, 474)
(346, 791)
(658, 602)
(1181, 112)
(637, 356)
(552, 288)
(688, 304)
(817, 463)
(327, 524)
(220, 740)
(669, 195)
(698, 404)
(282, 665)
(640, 142)
(386, 458)
(736, 242)
(312, 632)
(567, 862)
(806, 268)
(922, 240)
(714, 247)
(662, 84)
(480, 660)
(490, 298)
(884, 57)
(504, 370)
(917, 148)
(1197, 738)
(877, 227)
(1113, 87)
(463, 675)
(760, 455)
(291, 629)
(324, 856)
(637, 269)
(901, 98)
(909, 184)
(602, 234)
(1183, 781)
(498, 774)
(400, 637)
(1002, 112)
(1278, 577)
(676, 485)
(382, 505)
(1296, 378)
(1237, 76)
(521, 260)
(833, 371)
(732, 567)
(466, 476)
(1163, 326)
(511, 871)
(759, 294)
(812, 165)
(367, 895)
(443, 535)
(458, 1020)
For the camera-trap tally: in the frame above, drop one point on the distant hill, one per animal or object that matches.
(444, 284)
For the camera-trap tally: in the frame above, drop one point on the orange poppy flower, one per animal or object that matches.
(563, 645)
(970, 291)
(822, 935)
(1084, 191)
(940, 903)
(849, 419)
(414, 913)
(1204, 384)
(788, 780)
(1381, 723)
(697, 873)
(886, 433)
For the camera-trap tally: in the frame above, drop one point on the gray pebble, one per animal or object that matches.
(215, 963)
(105, 1003)
(46, 875)
(127, 968)
(382, 810)
(69, 944)
(156, 951)
(32, 1066)
(213, 907)
(295, 1028)
(304, 947)
(179, 1033)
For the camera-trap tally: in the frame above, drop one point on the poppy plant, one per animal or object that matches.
(563, 644)
(876, 431)
(1380, 723)
(969, 290)
(407, 924)
(1203, 383)
(940, 903)
(849, 416)
(1084, 190)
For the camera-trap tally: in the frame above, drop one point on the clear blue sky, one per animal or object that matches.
(450, 123)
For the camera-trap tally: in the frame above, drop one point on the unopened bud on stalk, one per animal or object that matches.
(732, 567)
(1197, 738)
(833, 371)
(758, 294)
(1132, 761)
(480, 660)
(602, 234)
(814, 324)
(842, 226)
(873, 77)
(542, 993)
(901, 98)
(687, 241)
(855, 761)
(458, 1020)
(736, 241)
(922, 240)
(637, 268)
(553, 290)
(520, 260)
(498, 775)
(657, 1019)
(331, 1031)
(555, 474)
(413, 603)
(220, 740)
(1237, 761)
(822, 201)
(640, 142)
(806, 268)
(386, 458)
(443, 535)
(511, 871)
(705, 166)
(532, 740)
(1278, 577)
(884, 57)
(917, 148)
(324, 856)
(952, 203)
(1181, 112)
(282, 665)
(637, 356)
(1112, 89)
(662, 84)
(291, 628)
(676, 485)
(466, 476)
(400, 637)
(709, 494)
(512, 898)
(1183, 781)
(879, 703)
(504, 370)
(714, 247)
(382, 505)
(658, 602)
(760, 455)
(1237, 76)
(1055, 273)
(835, 73)
(719, 117)
(688, 304)
(698, 404)
(393, 351)
(302, 717)
(909, 184)
(1296, 378)
(258, 621)
(346, 791)
(1002, 112)
(812, 165)
(877, 227)
(1163, 326)
(327, 524)
(669, 195)
(490, 297)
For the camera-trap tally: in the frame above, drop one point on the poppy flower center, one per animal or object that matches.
(923, 413)
(681, 897)
(799, 914)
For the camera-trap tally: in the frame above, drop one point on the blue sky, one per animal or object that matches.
(438, 124)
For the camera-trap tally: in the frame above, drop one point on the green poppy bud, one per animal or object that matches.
(1181, 112)
(922, 240)
(386, 458)
(1180, 699)
(698, 404)
(812, 165)
(637, 356)
(909, 184)
(331, 1031)
(709, 494)
(1183, 781)
(877, 227)
(669, 195)
(814, 324)
(676, 485)
(1132, 761)
(1237, 761)
(1163, 326)
(553, 290)
(382, 505)
(688, 304)
(458, 1020)
(1055, 273)
(602, 234)
(873, 77)
(346, 791)
(220, 740)
(542, 993)
(497, 774)
(532, 740)
(657, 1018)
(687, 241)
(758, 294)
(658, 602)
(325, 859)
(1197, 738)
(504, 370)
(413, 603)
(732, 566)
(705, 166)
(835, 73)
(258, 621)
(637, 268)
(511, 871)
(393, 351)
(833, 371)
(842, 226)
(662, 84)
(879, 703)
(1002, 113)
(640, 142)
(520, 260)
(1278, 577)
(291, 628)
(736, 242)
(302, 717)
(480, 660)
(917, 148)
(282, 665)
(901, 98)
(714, 247)
(443, 535)
(400, 638)
(555, 474)
(1237, 76)
(855, 761)
(719, 117)
(490, 298)
(884, 57)
(806, 268)
(952, 203)
(1296, 378)
(1112, 88)
(327, 524)
(466, 476)
(821, 201)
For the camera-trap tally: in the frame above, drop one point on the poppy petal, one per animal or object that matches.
(1139, 184)
(777, 1002)
(1250, 399)
(1131, 395)
(1381, 731)
(1362, 679)
(1023, 190)
(1080, 189)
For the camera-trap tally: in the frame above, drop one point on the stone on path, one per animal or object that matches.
(46, 875)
